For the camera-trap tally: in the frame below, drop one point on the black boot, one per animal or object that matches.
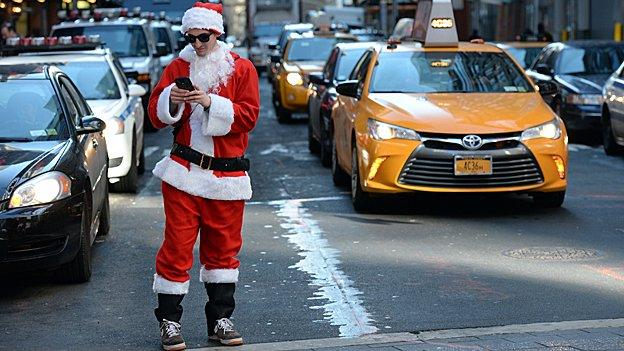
(168, 313)
(219, 309)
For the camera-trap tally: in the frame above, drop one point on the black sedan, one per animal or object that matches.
(322, 95)
(53, 174)
(580, 70)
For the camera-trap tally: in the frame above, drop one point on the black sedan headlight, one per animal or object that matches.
(45, 188)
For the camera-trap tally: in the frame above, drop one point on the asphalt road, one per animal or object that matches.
(313, 268)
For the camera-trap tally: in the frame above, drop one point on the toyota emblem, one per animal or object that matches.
(472, 142)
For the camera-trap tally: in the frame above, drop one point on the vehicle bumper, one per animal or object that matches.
(293, 97)
(119, 149)
(40, 237)
(582, 117)
(390, 176)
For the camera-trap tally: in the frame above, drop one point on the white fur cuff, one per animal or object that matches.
(218, 275)
(162, 109)
(164, 286)
(220, 117)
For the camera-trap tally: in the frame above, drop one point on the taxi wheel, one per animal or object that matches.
(549, 200)
(361, 199)
(313, 145)
(609, 144)
(78, 270)
(129, 182)
(340, 177)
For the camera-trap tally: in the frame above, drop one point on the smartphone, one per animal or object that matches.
(184, 83)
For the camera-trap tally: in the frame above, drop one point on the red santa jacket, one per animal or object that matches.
(232, 83)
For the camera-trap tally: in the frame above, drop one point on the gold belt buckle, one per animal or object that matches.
(201, 162)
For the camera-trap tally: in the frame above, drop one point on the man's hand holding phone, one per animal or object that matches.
(185, 92)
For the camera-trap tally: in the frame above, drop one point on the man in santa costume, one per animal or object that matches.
(204, 179)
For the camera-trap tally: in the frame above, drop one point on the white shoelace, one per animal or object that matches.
(171, 328)
(225, 324)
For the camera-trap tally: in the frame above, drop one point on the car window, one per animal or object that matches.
(95, 80)
(30, 110)
(590, 60)
(542, 58)
(75, 106)
(447, 72)
(124, 40)
(162, 36)
(328, 70)
(121, 73)
(359, 72)
(524, 56)
(346, 63)
(310, 49)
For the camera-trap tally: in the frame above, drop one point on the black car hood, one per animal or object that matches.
(584, 84)
(16, 159)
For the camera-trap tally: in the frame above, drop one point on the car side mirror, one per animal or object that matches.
(136, 90)
(544, 69)
(547, 88)
(91, 124)
(276, 58)
(348, 88)
(161, 50)
(317, 78)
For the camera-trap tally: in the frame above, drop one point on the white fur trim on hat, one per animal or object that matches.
(164, 286)
(218, 275)
(201, 18)
(219, 119)
(162, 108)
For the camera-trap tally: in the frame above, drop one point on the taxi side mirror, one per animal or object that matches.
(547, 88)
(348, 88)
(91, 124)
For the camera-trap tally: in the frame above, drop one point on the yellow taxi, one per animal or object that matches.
(303, 54)
(437, 115)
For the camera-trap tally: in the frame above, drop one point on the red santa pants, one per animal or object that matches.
(219, 224)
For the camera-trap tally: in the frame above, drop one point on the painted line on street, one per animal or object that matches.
(283, 201)
(150, 150)
(375, 339)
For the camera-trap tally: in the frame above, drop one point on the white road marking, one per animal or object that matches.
(150, 150)
(343, 306)
(282, 202)
(274, 148)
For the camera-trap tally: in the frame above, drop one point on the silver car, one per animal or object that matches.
(613, 113)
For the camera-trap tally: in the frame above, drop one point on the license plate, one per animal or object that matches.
(473, 165)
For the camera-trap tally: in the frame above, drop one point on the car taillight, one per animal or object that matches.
(79, 39)
(25, 41)
(51, 41)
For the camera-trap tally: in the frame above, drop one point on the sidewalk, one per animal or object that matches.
(594, 335)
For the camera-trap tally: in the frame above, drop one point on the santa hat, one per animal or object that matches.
(203, 16)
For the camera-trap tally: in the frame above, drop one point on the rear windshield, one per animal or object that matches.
(95, 80)
(29, 111)
(592, 60)
(124, 40)
(447, 72)
(310, 49)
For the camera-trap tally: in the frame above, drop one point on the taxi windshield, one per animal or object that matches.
(310, 49)
(447, 72)
(29, 111)
(590, 60)
(124, 40)
(95, 80)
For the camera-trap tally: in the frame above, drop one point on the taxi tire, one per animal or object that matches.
(549, 200)
(78, 270)
(609, 144)
(129, 182)
(360, 199)
(339, 177)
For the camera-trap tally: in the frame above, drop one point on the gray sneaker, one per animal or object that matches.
(170, 336)
(225, 334)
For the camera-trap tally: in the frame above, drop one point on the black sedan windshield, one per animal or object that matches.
(447, 72)
(591, 60)
(310, 49)
(125, 41)
(95, 80)
(30, 111)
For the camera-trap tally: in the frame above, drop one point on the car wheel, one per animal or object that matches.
(313, 144)
(360, 198)
(549, 200)
(78, 270)
(129, 182)
(609, 144)
(147, 125)
(325, 143)
(339, 176)
(104, 226)
(283, 115)
(141, 166)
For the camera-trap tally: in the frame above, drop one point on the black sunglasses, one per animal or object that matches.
(204, 37)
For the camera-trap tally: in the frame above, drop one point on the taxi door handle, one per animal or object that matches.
(95, 143)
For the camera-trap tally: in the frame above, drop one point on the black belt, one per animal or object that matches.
(208, 162)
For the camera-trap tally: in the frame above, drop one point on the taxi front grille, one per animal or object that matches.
(432, 168)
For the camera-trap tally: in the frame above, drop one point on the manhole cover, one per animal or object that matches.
(553, 254)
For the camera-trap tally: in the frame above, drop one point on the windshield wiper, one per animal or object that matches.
(18, 139)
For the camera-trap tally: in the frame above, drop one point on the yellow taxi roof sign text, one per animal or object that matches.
(434, 24)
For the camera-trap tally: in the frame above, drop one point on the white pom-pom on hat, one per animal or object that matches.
(203, 16)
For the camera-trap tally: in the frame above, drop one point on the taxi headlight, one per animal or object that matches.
(549, 130)
(42, 189)
(584, 99)
(294, 79)
(384, 131)
(114, 126)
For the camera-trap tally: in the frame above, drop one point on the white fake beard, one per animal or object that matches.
(213, 70)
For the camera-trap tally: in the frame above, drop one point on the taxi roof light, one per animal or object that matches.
(434, 24)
